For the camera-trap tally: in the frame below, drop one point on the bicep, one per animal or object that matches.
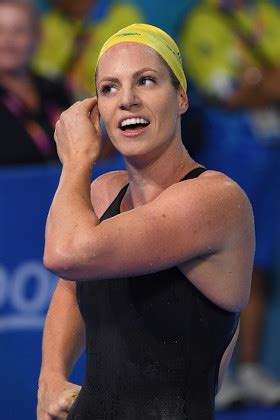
(172, 229)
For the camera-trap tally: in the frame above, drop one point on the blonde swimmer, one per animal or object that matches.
(152, 283)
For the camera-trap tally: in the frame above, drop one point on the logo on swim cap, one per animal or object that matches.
(127, 34)
(176, 53)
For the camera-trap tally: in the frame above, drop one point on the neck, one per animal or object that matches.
(147, 181)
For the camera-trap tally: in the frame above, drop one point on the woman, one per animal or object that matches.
(161, 254)
(29, 105)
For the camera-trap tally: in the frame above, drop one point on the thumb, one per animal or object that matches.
(91, 105)
(95, 118)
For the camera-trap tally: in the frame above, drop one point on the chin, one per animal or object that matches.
(142, 155)
(132, 147)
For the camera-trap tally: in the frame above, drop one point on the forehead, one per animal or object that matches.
(128, 57)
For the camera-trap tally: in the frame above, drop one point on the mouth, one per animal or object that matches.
(133, 126)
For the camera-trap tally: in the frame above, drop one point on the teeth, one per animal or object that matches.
(131, 121)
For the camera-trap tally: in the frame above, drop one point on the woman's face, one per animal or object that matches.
(17, 37)
(139, 106)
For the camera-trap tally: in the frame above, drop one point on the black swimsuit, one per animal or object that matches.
(154, 345)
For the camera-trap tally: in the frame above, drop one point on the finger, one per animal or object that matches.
(59, 408)
(74, 105)
(74, 394)
(95, 118)
(56, 129)
(63, 416)
(89, 103)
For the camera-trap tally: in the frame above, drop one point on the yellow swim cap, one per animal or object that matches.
(154, 38)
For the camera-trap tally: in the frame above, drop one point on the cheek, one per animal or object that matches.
(166, 111)
(107, 109)
(104, 114)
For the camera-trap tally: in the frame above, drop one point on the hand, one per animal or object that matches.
(78, 133)
(55, 398)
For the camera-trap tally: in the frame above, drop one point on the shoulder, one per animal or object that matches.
(223, 192)
(214, 184)
(105, 188)
(214, 198)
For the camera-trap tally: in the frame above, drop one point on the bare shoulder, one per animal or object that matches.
(230, 208)
(214, 202)
(105, 188)
(214, 189)
(227, 192)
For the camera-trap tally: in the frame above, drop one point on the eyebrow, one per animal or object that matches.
(135, 75)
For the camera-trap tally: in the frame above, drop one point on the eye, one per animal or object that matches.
(147, 81)
(107, 89)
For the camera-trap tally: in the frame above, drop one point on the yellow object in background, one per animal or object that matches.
(69, 48)
(217, 56)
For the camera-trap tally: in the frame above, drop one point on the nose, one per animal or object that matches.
(128, 99)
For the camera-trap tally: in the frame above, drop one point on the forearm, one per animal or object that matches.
(64, 334)
(71, 217)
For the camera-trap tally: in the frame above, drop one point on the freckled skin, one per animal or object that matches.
(137, 239)
(151, 101)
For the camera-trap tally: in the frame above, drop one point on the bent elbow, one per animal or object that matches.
(56, 261)
(71, 261)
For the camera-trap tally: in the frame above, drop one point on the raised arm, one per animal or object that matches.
(182, 223)
(63, 342)
(206, 216)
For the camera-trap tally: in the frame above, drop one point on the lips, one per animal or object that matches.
(133, 123)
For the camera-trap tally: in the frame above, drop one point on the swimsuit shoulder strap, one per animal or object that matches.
(114, 207)
(194, 173)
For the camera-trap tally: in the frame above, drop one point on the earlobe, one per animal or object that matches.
(184, 102)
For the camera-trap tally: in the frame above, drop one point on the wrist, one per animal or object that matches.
(78, 165)
(48, 375)
(76, 172)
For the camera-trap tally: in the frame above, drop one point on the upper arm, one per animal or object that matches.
(187, 220)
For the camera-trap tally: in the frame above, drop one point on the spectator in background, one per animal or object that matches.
(29, 105)
(72, 35)
(235, 63)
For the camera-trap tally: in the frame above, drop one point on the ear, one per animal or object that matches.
(183, 101)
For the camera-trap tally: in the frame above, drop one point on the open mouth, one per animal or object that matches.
(133, 124)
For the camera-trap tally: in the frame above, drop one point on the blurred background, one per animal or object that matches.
(231, 54)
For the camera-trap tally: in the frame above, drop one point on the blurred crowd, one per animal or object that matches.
(231, 53)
